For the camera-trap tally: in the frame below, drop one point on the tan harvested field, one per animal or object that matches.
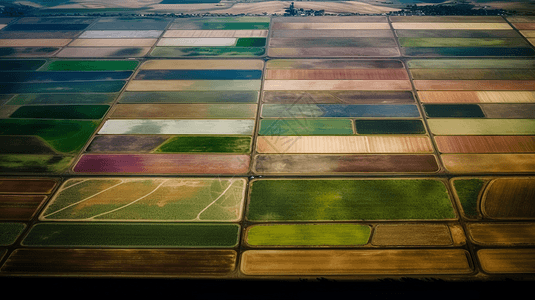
(449, 26)
(532, 41)
(331, 33)
(475, 85)
(113, 43)
(343, 144)
(328, 85)
(510, 198)
(500, 261)
(190, 8)
(203, 64)
(340, 262)
(338, 74)
(316, 26)
(528, 33)
(103, 52)
(331, 19)
(412, 235)
(521, 19)
(489, 163)
(446, 19)
(485, 144)
(214, 33)
(2, 26)
(333, 52)
(524, 26)
(476, 97)
(34, 42)
(504, 234)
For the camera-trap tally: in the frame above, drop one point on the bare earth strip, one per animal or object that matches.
(197, 42)
(448, 26)
(475, 85)
(507, 260)
(34, 42)
(360, 26)
(333, 52)
(340, 262)
(337, 74)
(203, 64)
(214, 33)
(485, 144)
(113, 43)
(489, 163)
(502, 233)
(296, 85)
(331, 33)
(343, 144)
(447, 19)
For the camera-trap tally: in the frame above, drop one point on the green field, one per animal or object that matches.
(25, 99)
(468, 193)
(9, 232)
(61, 112)
(91, 65)
(206, 144)
(308, 235)
(323, 200)
(66, 136)
(305, 127)
(34, 163)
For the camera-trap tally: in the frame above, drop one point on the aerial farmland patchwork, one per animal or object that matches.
(249, 147)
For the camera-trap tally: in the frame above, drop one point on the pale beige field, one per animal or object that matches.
(343, 144)
(332, 85)
(450, 26)
(241, 64)
(315, 26)
(477, 97)
(113, 43)
(34, 42)
(214, 33)
(528, 33)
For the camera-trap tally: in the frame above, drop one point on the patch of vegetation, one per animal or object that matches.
(468, 192)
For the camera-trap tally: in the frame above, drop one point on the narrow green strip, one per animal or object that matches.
(305, 127)
(206, 144)
(308, 235)
(133, 235)
(91, 65)
(13, 163)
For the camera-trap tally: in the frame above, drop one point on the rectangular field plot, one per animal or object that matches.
(129, 262)
(133, 235)
(108, 23)
(91, 52)
(332, 37)
(214, 37)
(468, 36)
(337, 200)
(145, 199)
(20, 199)
(354, 262)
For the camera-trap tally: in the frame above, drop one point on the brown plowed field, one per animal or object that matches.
(337, 74)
